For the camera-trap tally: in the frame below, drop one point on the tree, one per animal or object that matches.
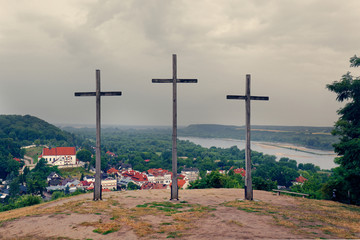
(35, 183)
(348, 128)
(132, 186)
(84, 155)
(14, 187)
(262, 184)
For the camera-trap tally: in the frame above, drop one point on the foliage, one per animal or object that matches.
(263, 184)
(14, 189)
(314, 185)
(308, 167)
(348, 128)
(283, 172)
(132, 186)
(8, 165)
(22, 201)
(217, 180)
(17, 131)
(84, 155)
(75, 172)
(57, 194)
(27, 129)
(36, 179)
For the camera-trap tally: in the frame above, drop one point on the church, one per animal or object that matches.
(59, 156)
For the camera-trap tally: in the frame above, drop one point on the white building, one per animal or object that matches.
(158, 175)
(109, 183)
(59, 156)
(191, 174)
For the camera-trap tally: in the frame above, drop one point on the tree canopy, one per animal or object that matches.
(348, 128)
(25, 130)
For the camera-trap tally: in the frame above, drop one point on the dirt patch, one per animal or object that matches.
(200, 214)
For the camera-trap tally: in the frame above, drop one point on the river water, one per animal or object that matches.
(323, 159)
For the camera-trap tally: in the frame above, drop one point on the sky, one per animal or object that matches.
(291, 48)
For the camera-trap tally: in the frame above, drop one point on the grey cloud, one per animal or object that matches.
(291, 48)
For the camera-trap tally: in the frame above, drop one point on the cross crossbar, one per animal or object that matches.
(245, 97)
(177, 80)
(93, 94)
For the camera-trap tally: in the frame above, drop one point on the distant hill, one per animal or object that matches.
(25, 130)
(311, 137)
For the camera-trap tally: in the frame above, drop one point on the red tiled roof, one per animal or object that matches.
(111, 153)
(59, 151)
(150, 185)
(301, 179)
(158, 172)
(112, 170)
(180, 176)
(240, 171)
(181, 183)
(85, 183)
(135, 176)
(17, 159)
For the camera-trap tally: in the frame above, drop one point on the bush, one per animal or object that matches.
(57, 194)
(27, 200)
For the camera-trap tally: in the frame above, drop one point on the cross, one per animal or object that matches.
(174, 81)
(247, 98)
(98, 94)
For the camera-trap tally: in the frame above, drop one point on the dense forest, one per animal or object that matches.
(310, 137)
(27, 130)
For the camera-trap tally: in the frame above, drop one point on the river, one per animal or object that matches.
(323, 159)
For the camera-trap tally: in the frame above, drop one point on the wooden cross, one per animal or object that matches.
(174, 81)
(247, 98)
(98, 94)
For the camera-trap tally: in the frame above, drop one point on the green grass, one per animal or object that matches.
(174, 235)
(34, 153)
(166, 223)
(166, 207)
(74, 172)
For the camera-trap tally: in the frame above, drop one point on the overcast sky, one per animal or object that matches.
(291, 48)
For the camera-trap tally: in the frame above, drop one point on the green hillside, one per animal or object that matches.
(311, 137)
(17, 131)
(25, 130)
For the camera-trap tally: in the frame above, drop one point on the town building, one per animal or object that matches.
(109, 183)
(137, 177)
(299, 180)
(150, 185)
(191, 174)
(60, 156)
(52, 176)
(159, 175)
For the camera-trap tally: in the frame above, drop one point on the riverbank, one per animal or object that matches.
(323, 159)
